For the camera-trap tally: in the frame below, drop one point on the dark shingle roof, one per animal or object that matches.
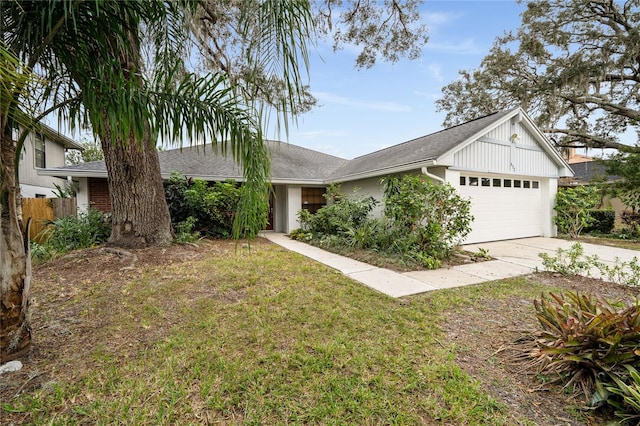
(418, 150)
(289, 162)
(587, 171)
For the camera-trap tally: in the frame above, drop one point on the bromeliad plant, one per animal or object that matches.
(584, 338)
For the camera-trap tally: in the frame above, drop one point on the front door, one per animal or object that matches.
(269, 226)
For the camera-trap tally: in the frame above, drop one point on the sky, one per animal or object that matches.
(361, 111)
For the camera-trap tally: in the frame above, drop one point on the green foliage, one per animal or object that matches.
(92, 151)
(627, 167)
(433, 218)
(631, 223)
(185, 232)
(345, 213)
(87, 229)
(422, 221)
(623, 394)
(584, 338)
(39, 252)
(69, 190)
(627, 273)
(603, 221)
(571, 261)
(300, 234)
(573, 209)
(204, 208)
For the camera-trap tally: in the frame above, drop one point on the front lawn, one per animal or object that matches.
(220, 334)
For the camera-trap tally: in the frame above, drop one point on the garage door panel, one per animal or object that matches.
(503, 213)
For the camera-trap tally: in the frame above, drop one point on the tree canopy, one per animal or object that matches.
(574, 65)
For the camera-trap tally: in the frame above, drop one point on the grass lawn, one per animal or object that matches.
(226, 335)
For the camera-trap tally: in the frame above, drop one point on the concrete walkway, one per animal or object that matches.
(512, 258)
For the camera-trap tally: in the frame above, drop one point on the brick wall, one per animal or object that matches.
(99, 194)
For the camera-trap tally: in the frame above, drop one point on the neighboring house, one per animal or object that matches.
(43, 149)
(502, 162)
(586, 173)
(573, 157)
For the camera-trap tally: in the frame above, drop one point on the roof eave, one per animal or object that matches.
(383, 171)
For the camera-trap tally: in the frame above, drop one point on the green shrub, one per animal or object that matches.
(422, 224)
(211, 207)
(603, 221)
(573, 209)
(631, 223)
(342, 215)
(87, 229)
(185, 232)
(571, 261)
(426, 218)
(39, 252)
(583, 338)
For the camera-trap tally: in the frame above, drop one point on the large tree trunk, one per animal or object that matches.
(140, 216)
(15, 266)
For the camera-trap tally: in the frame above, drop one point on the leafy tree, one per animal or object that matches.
(92, 152)
(573, 65)
(627, 167)
(573, 208)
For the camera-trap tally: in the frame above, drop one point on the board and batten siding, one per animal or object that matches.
(497, 152)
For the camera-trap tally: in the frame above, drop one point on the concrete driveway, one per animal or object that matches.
(514, 258)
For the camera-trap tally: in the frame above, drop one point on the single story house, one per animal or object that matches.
(501, 161)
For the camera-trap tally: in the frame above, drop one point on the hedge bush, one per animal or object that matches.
(603, 221)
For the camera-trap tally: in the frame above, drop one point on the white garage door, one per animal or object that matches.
(504, 207)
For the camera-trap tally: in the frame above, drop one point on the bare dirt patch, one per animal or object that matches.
(486, 337)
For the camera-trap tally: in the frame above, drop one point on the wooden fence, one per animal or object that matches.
(44, 210)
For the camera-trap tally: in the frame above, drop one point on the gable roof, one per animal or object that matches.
(295, 164)
(416, 151)
(290, 164)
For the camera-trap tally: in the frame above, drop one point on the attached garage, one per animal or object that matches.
(504, 206)
(501, 162)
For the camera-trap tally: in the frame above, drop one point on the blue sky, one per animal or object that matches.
(365, 110)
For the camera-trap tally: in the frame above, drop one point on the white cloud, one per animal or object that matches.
(465, 47)
(330, 98)
(436, 71)
(433, 19)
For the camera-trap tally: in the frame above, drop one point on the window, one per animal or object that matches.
(497, 183)
(535, 184)
(526, 184)
(473, 181)
(313, 199)
(38, 145)
(507, 183)
(41, 196)
(463, 180)
(486, 182)
(517, 183)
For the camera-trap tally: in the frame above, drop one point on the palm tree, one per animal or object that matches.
(89, 56)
